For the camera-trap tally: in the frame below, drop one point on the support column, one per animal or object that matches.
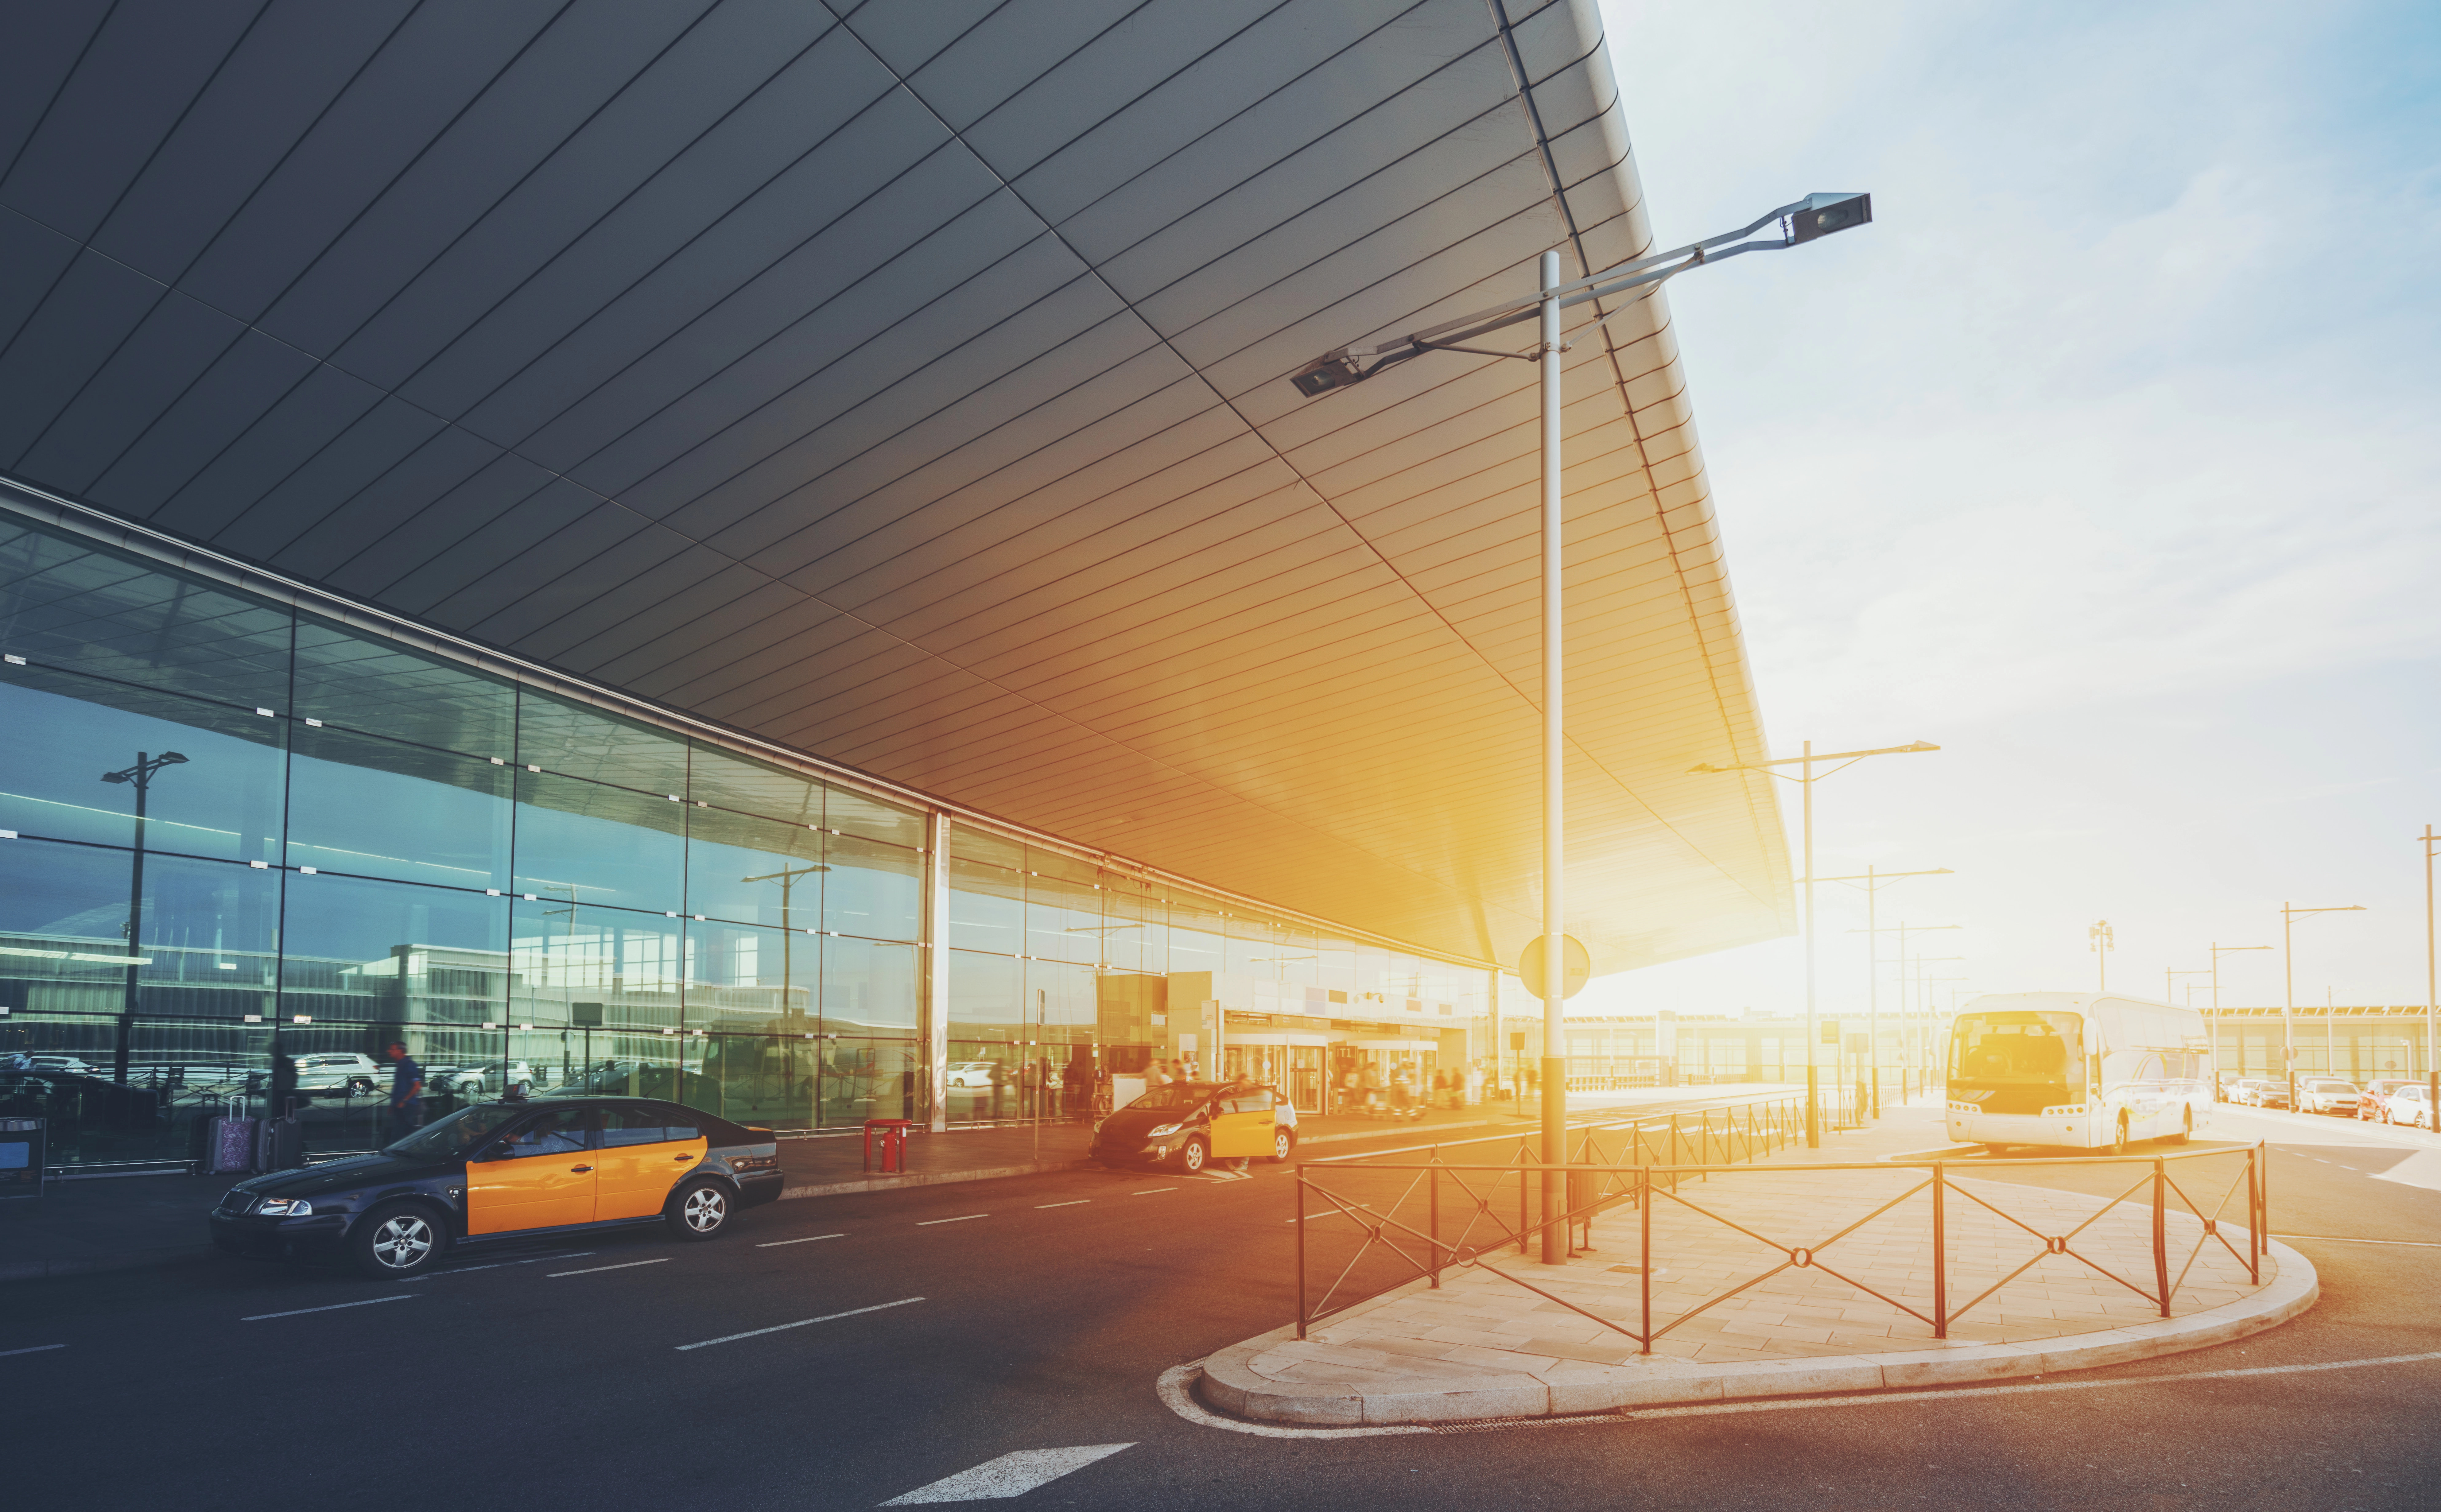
(933, 967)
(1555, 1067)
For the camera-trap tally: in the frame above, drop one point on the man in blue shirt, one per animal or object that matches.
(405, 1094)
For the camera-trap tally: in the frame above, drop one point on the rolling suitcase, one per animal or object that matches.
(281, 1147)
(228, 1142)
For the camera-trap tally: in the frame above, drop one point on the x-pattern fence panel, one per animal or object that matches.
(1917, 1238)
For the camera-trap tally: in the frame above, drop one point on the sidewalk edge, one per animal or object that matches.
(1229, 1385)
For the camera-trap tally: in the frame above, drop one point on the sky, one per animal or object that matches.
(2107, 460)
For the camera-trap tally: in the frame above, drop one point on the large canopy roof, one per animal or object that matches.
(907, 382)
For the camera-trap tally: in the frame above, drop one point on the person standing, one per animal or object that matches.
(999, 1084)
(406, 1093)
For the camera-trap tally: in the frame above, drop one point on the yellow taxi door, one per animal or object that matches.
(645, 1151)
(1241, 1125)
(541, 1175)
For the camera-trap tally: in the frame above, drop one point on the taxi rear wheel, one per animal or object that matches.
(699, 1210)
(1282, 1142)
(397, 1240)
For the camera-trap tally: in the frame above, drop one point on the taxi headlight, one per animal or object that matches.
(1164, 1132)
(285, 1208)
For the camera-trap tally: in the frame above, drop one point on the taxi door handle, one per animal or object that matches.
(681, 1157)
(575, 1168)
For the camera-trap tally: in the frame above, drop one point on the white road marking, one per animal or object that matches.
(926, 1223)
(1012, 1474)
(33, 1349)
(299, 1312)
(593, 1270)
(1078, 1203)
(776, 1328)
(1150, 1190)
(807, 1239)
(497, 1264)
(2342, 1238)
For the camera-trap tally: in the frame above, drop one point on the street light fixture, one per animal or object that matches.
(1872, 882)
(140, 776)
(2101, 943)
(2432, 1004)
(1803, 221)
(1846, 759)
(2288, 916)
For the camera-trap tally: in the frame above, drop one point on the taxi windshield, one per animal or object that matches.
(456, 1135)
(1177, 1094)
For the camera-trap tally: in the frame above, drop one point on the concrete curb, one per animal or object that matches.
(1231, 1386)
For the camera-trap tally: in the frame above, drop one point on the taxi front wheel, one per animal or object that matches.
(699, 1210)
(396, 1240)
(1194, 1156)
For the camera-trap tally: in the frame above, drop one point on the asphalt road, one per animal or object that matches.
(939, 1329)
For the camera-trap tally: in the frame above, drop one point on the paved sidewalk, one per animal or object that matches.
(1482, 1345)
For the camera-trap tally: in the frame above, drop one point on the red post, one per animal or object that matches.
(1939, 1258)
(1300, 1233)
(2160, 1234)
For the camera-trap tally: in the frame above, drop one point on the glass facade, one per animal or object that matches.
(231, 828)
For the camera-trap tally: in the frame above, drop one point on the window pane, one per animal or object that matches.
(986, 904)
(852, 813)
(871, 889)
(740, 979)
(366, 683)
(1195, 932)
(206, 935)
(727, 780)
(378, 808)
(621, 971)
(389, 952)
(868, 1078)
(578, 740)
(992, 850)
(868, 987)
(69, 605)
(987, 996)
(756, 870)
(599, 845)
(223, 801)
(1063, 920)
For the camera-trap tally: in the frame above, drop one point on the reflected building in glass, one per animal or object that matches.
(377, 832)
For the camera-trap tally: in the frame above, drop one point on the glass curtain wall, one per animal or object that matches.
(229, 829)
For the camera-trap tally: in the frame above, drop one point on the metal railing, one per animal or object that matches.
(1408, 1243)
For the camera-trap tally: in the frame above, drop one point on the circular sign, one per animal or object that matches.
(1575, 966)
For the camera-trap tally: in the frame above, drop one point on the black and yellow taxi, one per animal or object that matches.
(1192, 1123)
(505, 1171)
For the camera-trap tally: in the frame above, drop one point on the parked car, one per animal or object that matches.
(2410, 1105)
(2372, 1103)
(334, 1071)
(506, 1171)
(2326, 1094)
(1193, 1124)
(971, 1073)
(2247, 1091)
(515, 1078)
(64, 1064)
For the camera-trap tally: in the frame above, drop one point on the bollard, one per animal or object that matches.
(893, 1133)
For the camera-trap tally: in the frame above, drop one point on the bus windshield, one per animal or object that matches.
(2019, 1048)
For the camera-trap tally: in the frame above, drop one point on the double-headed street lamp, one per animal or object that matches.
(1809, 219)
(1846, 759)
(2288, 916)
(2432, 1002)
(2100, 944)
(140, 777)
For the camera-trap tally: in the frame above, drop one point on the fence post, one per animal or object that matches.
(2160, 1235)
(1432, 1184)
(1300, 1233)
(1940, 1256)
(1644, 1250)
(1522, 1220)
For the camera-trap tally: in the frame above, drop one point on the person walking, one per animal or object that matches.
(406, 1093)
(1370, 1084)
(999, 1084)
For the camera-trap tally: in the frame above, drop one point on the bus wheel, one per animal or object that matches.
(1995, 1151)
(2186, 1127)
(2119, 1140)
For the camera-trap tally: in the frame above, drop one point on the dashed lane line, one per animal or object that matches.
(963, 1217)
(1078, 1203)
(773, 1244)
(299, 1313)
(2342, 1238)
(30, 1349)
(776, 1328)
(1150, 1190)
(595, 1271)
(497, 1264)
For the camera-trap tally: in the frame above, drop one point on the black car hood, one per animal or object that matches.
(1134, 1123)
(343, 1175)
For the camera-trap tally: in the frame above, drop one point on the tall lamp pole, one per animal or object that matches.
(2219, 950)
(140, 776)
(2170, 978)
(2288, 916)
(1807, 220)
(2432, 1004)
(2100, 944)
(1872, 882)
(1806, 763)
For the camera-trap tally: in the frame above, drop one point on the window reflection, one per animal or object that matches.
(575, 740)
(383, 688)
(852, 813)
(599, 845)
(204, 932)
(378, 808)
(986, 904)
(391, 952)
(223, 801)
(743, 979)
(75, 607)
(727, 780)
(755, 871)
(595, 967)
(868, 987)
(871, 889)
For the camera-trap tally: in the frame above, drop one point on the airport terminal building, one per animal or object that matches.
(767, 555)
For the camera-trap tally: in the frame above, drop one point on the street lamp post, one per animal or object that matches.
(2170, 978)
(1806, 763)
(2288, 916)
(2219, 950)
(1872, 933)
(140, 776)
(2432, 1004)
(2100, 944)
(1872, 882)
(1807, 220)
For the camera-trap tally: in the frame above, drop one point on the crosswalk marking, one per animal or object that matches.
(1012, 1474)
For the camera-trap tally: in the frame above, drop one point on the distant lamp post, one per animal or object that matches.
(2219, 950)
(140, 777)
(1846, 759)
(2170, 981)
(2432, 1004)
(787, 881)
(2288, 916)
(1872, 933)
(1872, 882)
(1801, 220)
(2100, 942)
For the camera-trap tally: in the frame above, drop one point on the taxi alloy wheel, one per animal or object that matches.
(699, 1211)
(399, 1240)
(1282, 1142)
(1193, 1156)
